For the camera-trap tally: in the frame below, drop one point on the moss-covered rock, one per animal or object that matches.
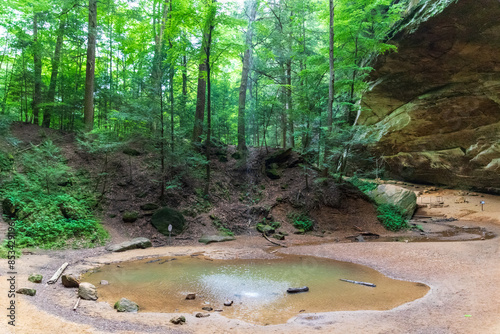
(278, 157)
(236, 155)
(273, 174)
(131, 244)
(26, 291)
(279, 236)
(125, 305)
(268, 230)
(206, 239)
(149, 206)
(130, 216)
(131, 152)
(166, 216)
(35, 278)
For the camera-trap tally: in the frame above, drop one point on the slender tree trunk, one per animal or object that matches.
(37, 60)
(244, 76)
(88, 108)
(53, 76)
(200, 101)
(331, 83)
(210, 23)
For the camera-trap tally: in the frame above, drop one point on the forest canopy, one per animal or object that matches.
(283, 73)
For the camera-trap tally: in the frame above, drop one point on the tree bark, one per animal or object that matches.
(37, 60)
(53, 76)
(244, 77)
(88, 107)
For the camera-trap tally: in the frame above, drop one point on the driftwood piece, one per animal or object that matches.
(57, 274)
(358, 282)
(77, 303)
(273, 242)
(296, 290)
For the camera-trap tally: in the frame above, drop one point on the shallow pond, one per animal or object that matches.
(257, 287)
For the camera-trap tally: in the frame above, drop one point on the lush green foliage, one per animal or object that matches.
(53, 204)
(391, 217)
(364, 186)
(301, 221)
(60, 233)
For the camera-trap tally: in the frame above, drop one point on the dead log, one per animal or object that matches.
(296, 290)
(76, 305)
(57, 274)
(358, 282)
(276, 243)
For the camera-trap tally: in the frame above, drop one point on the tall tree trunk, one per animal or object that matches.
(288, 98)
(88, 107)
(200, 101)
(210, 24)
(37, 60)
(244, 76)
(331, 83)
(53, 76)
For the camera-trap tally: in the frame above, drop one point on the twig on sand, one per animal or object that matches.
(358, 282)
(76, 305)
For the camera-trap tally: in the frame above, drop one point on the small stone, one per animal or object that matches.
(104, 282)
(207, 308)
(87, 291)
(201, 315)
(69, 281)
(26, 291)
(178, 321)
(35, 278)
(191, 296)
(228, 303)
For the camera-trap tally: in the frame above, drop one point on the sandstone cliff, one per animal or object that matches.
(435, 104)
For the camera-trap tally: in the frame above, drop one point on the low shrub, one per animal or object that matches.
(391, 217)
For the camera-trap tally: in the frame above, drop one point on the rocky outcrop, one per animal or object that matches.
(131, 244)
(434, 106)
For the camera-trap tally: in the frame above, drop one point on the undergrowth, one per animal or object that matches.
(391, 217)
(50, 205)
(364, 186)
(301, 221)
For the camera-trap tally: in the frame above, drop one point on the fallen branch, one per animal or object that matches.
(276, 243)
(58, 273)
(358, 282)
(76, 305)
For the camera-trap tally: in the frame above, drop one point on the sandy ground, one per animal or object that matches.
(464, 278)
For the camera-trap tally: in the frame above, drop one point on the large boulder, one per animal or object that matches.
(125, 305)
(206, 239)
(434, 105)
(87, 291)
(168, 216)
(131, 244)
(404, 199)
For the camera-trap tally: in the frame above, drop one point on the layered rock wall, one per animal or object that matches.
(435, 104)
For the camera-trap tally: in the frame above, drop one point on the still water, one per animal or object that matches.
(257, 287)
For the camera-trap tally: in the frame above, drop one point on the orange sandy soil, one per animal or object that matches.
(464, 277)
